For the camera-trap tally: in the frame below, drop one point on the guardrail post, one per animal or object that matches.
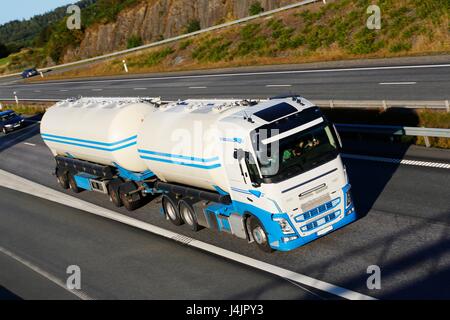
(447, 105)
(331, 104)
(125, 66)
(384, 105)
(15, 98)
(41, 73)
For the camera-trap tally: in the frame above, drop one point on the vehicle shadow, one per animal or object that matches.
(366, 190)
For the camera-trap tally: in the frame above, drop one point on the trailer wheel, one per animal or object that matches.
(73, 185)
(128, 203)
(171, 210)
(187, 213)
(114, 196)
(259, 235)
(62, 178)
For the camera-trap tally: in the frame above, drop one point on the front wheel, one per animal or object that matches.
(259, 235)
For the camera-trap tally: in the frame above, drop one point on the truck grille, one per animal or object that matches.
(318, 210)
(319, 222)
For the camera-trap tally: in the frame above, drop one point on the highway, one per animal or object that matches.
(381, 82)
(404, 229)
(404, 225)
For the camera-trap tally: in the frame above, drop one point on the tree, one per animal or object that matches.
(255, 8)
(4, 52)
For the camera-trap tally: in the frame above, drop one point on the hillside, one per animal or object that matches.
(111, 25)
(317, 33)
(314, 33)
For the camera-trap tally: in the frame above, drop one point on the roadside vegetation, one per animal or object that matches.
(334, 31)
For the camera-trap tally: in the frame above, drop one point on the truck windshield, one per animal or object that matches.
(298, 153)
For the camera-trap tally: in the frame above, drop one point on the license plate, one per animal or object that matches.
(324, 230)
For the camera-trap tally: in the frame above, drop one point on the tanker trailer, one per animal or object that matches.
(267, 171)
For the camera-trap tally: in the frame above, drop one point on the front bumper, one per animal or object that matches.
(300, 241)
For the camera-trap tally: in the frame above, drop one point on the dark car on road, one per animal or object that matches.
(29, 73)
(9, 121)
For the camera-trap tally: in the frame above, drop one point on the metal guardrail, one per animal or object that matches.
(426, 133)
(384, 104)
(180, 37)
(394, 130)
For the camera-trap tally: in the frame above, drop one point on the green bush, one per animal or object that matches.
(134, 41)
(212, 50)
(193, 25)
(156, 57)
(400, 46)
(255, 8)
(185, 44)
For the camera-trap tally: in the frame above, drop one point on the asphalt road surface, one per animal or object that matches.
(390, 82)
(404, 229)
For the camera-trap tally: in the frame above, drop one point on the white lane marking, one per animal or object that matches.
(29, 144)
(80, 294)
(278, 85)
(140, 89)
(63, 90)
(397, 83)
(197, 87)
(97, 89)
(398, 161)
(249, 74)
(37, 91)
(12, 181)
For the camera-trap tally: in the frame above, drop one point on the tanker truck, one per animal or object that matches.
(268, 171)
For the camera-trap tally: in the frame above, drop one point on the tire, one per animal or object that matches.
(114, 196)
(128, 203)
(73, 185)
(259, 235)
(171, 211)
(63, 178)
(188, 215)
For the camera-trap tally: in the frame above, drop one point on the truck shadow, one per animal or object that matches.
(367, 186)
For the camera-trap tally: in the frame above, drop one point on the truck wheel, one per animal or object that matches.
(171, 210)
(62, 178)
(259, 235)
(73, 185)
(188, 215)
(114, 196)
(128, 203)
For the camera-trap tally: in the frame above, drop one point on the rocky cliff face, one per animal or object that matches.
(153, 20)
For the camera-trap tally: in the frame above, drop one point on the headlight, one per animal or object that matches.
(285, 226)
(8, 125)
(348, 196)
